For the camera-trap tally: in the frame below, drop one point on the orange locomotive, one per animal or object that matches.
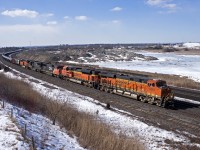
(24, 63)
(82, 76)
(144, 89)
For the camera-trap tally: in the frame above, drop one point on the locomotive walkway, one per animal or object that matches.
(185, 119)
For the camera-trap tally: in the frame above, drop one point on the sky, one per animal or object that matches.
(52, 22)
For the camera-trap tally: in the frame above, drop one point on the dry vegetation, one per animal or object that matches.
(91, 133)
(177, 80)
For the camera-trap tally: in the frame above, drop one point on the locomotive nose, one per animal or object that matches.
(165, 91)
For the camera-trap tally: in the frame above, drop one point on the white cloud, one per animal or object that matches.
(116, 9)
(38, 34)
(155, 2)
(81, 18)
(66, 17)
(170, 6)
(52, 23)
(48, 15)
(20, 13)
(116, 21)
(167, 4)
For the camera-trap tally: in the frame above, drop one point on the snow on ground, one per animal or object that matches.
(167, 63)
(46, 135)
(153, 137)
(10, 136)
(187, 100)
(191, 45)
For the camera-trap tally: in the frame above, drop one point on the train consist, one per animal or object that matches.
(153, 91)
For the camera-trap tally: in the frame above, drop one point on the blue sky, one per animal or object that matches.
(49, 22)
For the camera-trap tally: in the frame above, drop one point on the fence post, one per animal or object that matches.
(11, 113)
(33, 143)
(54, 121)
(3, 104)
(25, 130)
(108, 105)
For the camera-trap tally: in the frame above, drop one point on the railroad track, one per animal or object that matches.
(185, 118)
(187, 93)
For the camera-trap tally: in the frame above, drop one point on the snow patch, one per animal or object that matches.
(10, 136)
(191, 45)
(46, 135)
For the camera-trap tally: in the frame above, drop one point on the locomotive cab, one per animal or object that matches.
(165, 91)
(161, 84)
(66, 72)
(57, 70)
(160, 90)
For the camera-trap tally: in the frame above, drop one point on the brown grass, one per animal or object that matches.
(177, 81)
(91, 133)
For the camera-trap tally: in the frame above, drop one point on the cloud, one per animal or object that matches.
(116, 21)
(81, 18)
(52, 23)
(155, 2)
(48, 15)
(38, 34)
(170, 6)
(66, 17)
(116, 9)
(165, 4)
(20, 13)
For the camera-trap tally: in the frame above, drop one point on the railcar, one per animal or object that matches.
(24, 63)
(66, 72)
(15, 61)
(47, 68)
(86, 77)
(36, 66)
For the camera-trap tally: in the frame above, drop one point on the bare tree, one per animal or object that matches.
(54, 108)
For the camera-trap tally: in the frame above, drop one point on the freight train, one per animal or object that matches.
(153, 91)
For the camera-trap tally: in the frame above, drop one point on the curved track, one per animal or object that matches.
(184, 119)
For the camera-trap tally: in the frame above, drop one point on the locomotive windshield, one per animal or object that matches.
(161, 84)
